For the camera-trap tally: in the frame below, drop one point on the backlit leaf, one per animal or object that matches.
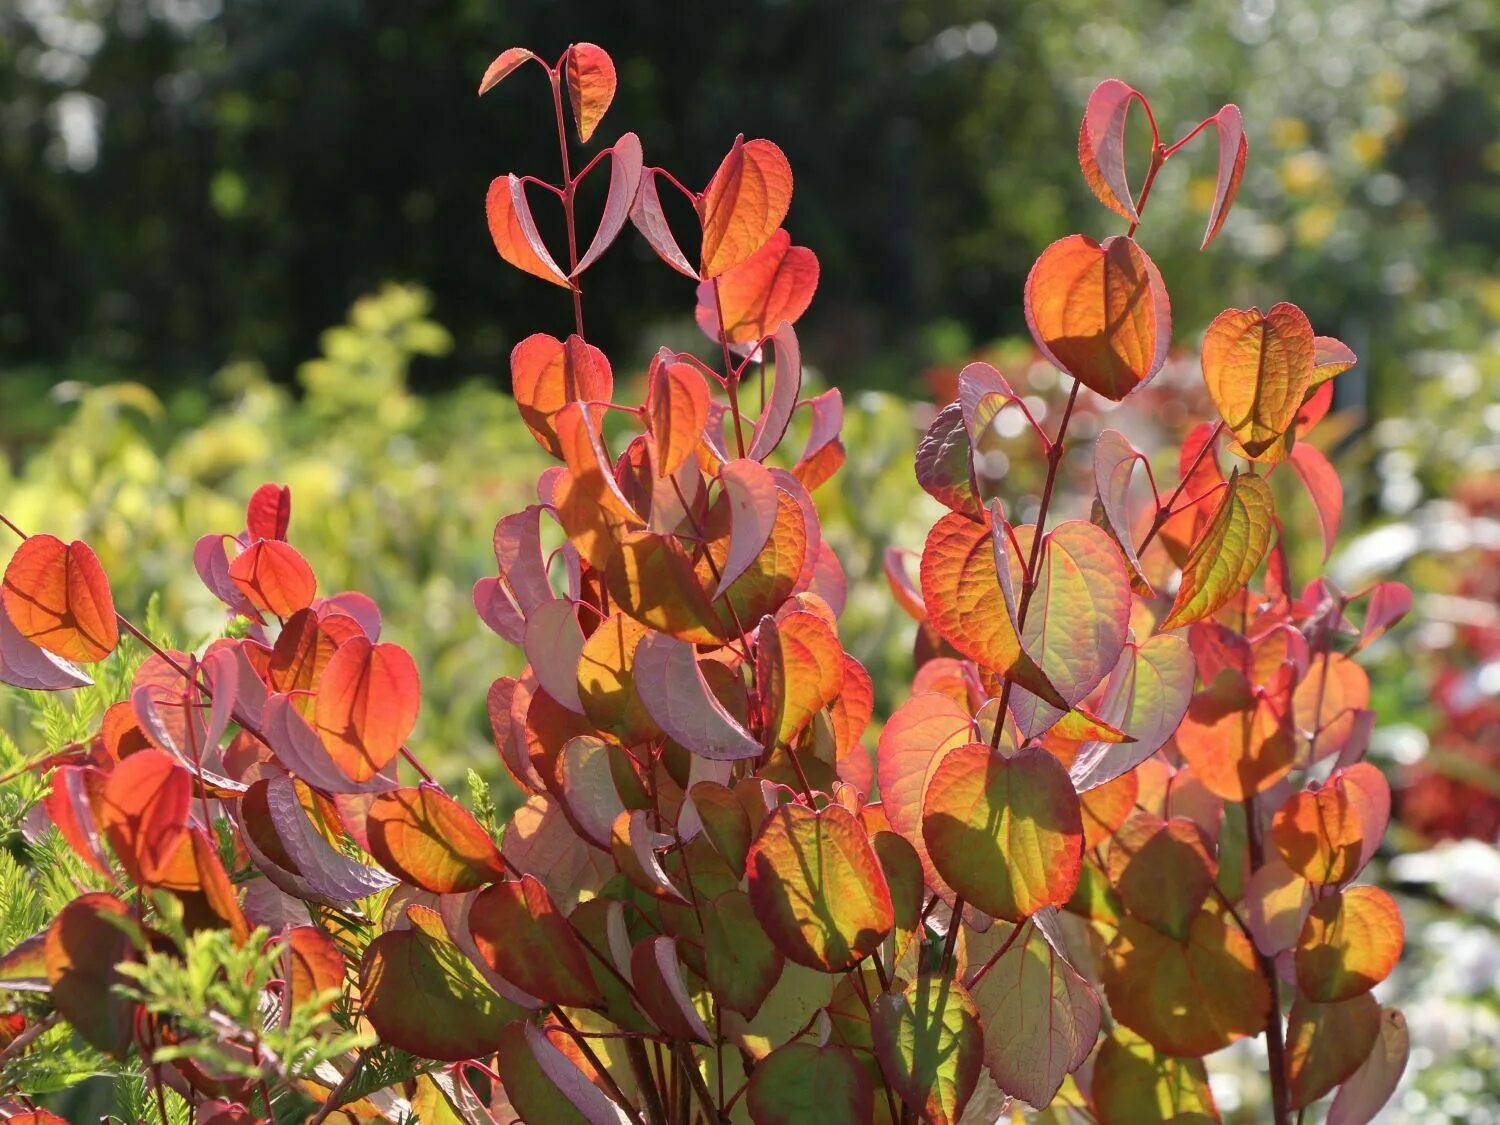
(818, 888)
(422, 995)
(1227, 553)
(1146, 696)
(1006, 833)
(1040, 1018)
(1233, 149)
(1320, 833)
(543, 1083)
(57, 597)
(678, 402)
(506, 62)
(367, 705)
(799, 670)
(1364, 1093)
(1238, 742)
(1162, 871)
(1100, 312)
(81, 950)
(316, 965)
(1350, 943)
(269, 512)
(743, 204)
(624, 182)
(805, 1084)
(1258, 369)
(1330, 357)
(606, 680)
(143, 813)
(773, 285)
(591, 86)
(1134, 1084)
(514, 231)
(520, 934)
(742, 963)
(546, 374)
(26, 665)
(752, 496)
(1327, 1043)
(275, 578)
(1186, 998)
(929, 1044)
(428, 839)
(674, 692)
(1101, 145)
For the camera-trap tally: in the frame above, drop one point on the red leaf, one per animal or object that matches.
(1233, 149)
(143, 813)
(547, 374)
(506, 62)
(771, 426)
(743, 204)
(1324, 487)
(521, 935)
(274, 577)
(1101, 145)
(367, 705)
(1259, 369)
(591, 86)
(1100, 312)
(58, 598)
(514, 231)
(83, 948)
(624, 182)
(269, 512)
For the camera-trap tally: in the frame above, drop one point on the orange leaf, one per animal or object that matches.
(773, 285)
(367, 705)
(428, 839)
(678, 404)
(546, 374)
(514, 231)
(274, 577)
(591, 86)
(1258, 370)
(82, 950)
(1238, 743)
(521, 935)
(1100, 312)
(1326, 1043)
(1101, 144)
(58, 598)
(1233, 150)
(1349, 943)
(799, 670)
(1227, 553)
(743, 204)
(506, 62)
(1320, 833)
(144, 812)
(316, 964)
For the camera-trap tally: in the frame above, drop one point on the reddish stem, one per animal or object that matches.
(569, 187)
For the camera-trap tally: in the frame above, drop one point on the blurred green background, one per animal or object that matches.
(244, 240)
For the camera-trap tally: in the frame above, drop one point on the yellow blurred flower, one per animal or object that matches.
(1289, 132)
(1302, 172)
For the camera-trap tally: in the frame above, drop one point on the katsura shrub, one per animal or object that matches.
(1115, 827)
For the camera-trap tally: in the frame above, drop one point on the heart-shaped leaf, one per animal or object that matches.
(1350, 943)
(678, 698)
(772, 286)
(1227, 553)
(274, 577)
(802, 1083)
(514, 231)
(521, 935)
(1258, 369)
(1146, 696)
(1327, 1043)
(1100, 312)
(546, 374)
(57, 597)
(367, 705)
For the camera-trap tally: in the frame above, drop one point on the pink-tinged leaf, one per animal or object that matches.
(554, 643)
(1100, 312)
(542, 1083)
(773, 285)
(1005, 833)
(824, 452)
(678, 405)
(800, 671)
(519, 555)
(647, 216)
(1147, 695)
(211, 560)
(912, 743)
(539, 841)
(1389, 603)
(1114, 465)
(505, 63)
(587, 785)
(753, 505)
(429, 840)
(929, 1043)
(903, 589)
(818, 887)
(1324, 487)
(546, 374)
(25, 665)
(143, 813)
(1327, 1043)
(624, 182)
(591, 86)
(744, 204)
(1101, 145)
(514, 231)
(1365, 1092)
(351, 603)
(657, 975)
(1040, 1016)
(1227, 553)
(1330, 357)
(302, 753)
(1276, 902)
(771, 426)
(1233, 149)
(271, 811)
(269, 512)
(634, 844)
(1078, 617)
(674, 692)
(493, 604)
(521, 935)
(75, 792)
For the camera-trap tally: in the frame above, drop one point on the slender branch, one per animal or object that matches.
(570, 186)
(336, 1096)
(695, 1080)
(640, 1067)
(1275, 1043)
(1164, 510)
(28, 1037)
(731, 372)
(978, 974)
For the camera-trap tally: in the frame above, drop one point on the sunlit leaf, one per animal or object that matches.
(1162, 871)
(367, 705)
(505, 63)
(428, 839)
(678, 698)
(1239, 742)
(1227, 553)
(1135, 1084)
(678, 404)
(743, 204)
(1258, 369)
(929, 1044)
(773, 285)
(274, 577)
(1233, 150)
(520, 934)
(1350, 943)
(591, 86)
(82, 949)
(56, 596)
(546, 374)
(1146, 696)
(1101, 144)
(1327, 1043)
(143, 812)
(514, 231)
(1364, 1093)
